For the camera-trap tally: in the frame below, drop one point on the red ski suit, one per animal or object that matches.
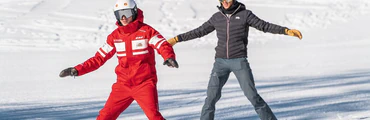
(136, 73)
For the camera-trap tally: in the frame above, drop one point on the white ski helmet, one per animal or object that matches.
(125, 8)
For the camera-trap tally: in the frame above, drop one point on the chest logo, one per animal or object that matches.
(139, 45)
(139, 37)
(237, 17)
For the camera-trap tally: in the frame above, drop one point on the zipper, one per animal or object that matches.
(228, 30)
(227, 37)
(227, 34)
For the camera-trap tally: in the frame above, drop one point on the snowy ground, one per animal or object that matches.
(324, 76)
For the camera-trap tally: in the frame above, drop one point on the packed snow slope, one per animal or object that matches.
(324, 76)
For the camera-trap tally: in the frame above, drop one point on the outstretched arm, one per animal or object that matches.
(264, 26)
(101, 56)
(201, 31)
(158, 42)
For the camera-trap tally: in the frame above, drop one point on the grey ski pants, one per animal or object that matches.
(220, 73)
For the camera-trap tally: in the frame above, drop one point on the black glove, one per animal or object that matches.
(68, 72)
(171, 63)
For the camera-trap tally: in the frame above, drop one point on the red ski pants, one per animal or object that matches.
(122, 96)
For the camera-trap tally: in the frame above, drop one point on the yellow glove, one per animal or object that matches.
(293, 32)
(173, 40)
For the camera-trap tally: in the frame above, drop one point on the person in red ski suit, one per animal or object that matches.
(134, 43)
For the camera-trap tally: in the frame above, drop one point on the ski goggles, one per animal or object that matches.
(124, 12)
(225, 0)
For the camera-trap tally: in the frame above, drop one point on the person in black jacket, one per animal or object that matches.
(232, 24)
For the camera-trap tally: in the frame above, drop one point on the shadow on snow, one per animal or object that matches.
(312, 107)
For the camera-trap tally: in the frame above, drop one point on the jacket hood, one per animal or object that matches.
(134, 25)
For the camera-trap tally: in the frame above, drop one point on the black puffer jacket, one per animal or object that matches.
(232, 32)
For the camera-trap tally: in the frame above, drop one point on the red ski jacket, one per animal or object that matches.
(134, 45)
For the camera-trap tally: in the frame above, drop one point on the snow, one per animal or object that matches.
(324, 76)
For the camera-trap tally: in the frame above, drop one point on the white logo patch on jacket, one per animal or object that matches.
(120, 45)
(139, 44)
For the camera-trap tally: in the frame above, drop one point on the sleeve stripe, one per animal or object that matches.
(106, 48)
(101, 50)
(101, 53)
(160, 44)
(155, 39)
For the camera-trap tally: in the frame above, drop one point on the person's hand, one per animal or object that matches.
(171, 63)
(71, 71)
(173, 40)
(293, 32)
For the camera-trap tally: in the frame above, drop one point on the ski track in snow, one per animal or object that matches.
(45, 23)
(186, 103)
(313, 15)
(310, 15)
